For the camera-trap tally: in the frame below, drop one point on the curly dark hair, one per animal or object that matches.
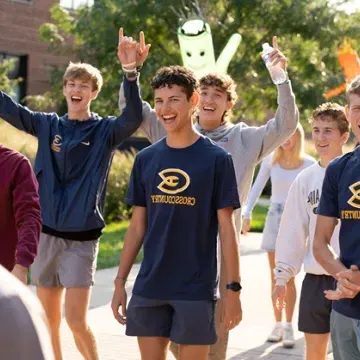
(331, 112)
(175, 75)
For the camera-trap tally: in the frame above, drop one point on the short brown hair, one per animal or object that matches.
(84, 72)
(223, 81)
(353, 87)
(331, 112)
(175, 75)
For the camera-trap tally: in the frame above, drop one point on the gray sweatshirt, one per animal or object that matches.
(248, 145)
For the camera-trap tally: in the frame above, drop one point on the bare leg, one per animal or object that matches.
(277, 312)
(191, 352)
(153, 348)
(50, 299)
(174, 348)
(316, 346)
(218, 350)
(76, 307)
(290, 299)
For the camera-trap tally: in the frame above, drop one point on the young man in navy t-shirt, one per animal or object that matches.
(183, 190)
(340, 199)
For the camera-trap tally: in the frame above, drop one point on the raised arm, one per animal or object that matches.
(258, 186)
(277, 130)
(130, 119)
(20, 116)
(151, 127)
(27, 218)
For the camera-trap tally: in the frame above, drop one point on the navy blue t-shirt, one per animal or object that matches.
(341, 199)
(182, 190)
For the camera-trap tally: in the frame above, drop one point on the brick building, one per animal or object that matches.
(19, 39)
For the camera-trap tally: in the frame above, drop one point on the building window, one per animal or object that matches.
(75, 4)
(18, 70)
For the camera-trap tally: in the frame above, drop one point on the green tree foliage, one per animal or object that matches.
(6, 84)
(309, 32)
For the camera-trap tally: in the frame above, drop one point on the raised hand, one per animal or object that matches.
(127, 51)
(276, 56)
(143, 50)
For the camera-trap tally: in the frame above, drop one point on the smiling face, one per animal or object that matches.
(78, 94)
(213, 104)
(173, 108)
(327, 137)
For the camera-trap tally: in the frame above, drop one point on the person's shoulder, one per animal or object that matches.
(12, 155)
(309, 160)
(152, 149)
(309, 172)
(213, 148)
(340, 162)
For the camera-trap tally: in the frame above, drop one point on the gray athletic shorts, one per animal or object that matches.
(64, 263)
(344, 338)
(184, 322)
(271, 227)
(314, 307)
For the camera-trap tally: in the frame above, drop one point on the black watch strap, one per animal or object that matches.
(234, 286)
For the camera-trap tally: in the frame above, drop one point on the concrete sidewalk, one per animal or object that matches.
(247, 341)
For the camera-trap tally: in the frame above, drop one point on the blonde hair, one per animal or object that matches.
(297, 153)
(84, 72)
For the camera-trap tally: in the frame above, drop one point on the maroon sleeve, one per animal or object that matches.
(27, 212)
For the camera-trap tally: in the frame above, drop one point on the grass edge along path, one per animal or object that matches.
(112, 240)
(111, 245)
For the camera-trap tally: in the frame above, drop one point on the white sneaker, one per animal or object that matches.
(288, 337)
(276, 334)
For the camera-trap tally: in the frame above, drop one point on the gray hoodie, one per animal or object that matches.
(248, 145)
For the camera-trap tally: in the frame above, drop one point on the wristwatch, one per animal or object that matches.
(234, 286)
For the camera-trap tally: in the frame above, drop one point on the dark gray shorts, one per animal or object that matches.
(314, 308)
(184, 322)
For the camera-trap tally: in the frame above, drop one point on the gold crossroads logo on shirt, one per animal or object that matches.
(354, 201)
(56, 144)
(174, 181)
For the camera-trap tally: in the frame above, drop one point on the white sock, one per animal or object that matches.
(287, 324)
(278, 324)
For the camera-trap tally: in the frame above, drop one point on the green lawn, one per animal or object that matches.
(111, 244)
(112, 240)
(258, 218)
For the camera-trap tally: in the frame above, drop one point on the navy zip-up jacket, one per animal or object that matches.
(73, 161)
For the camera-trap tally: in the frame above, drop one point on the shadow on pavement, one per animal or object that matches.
(270, 351)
